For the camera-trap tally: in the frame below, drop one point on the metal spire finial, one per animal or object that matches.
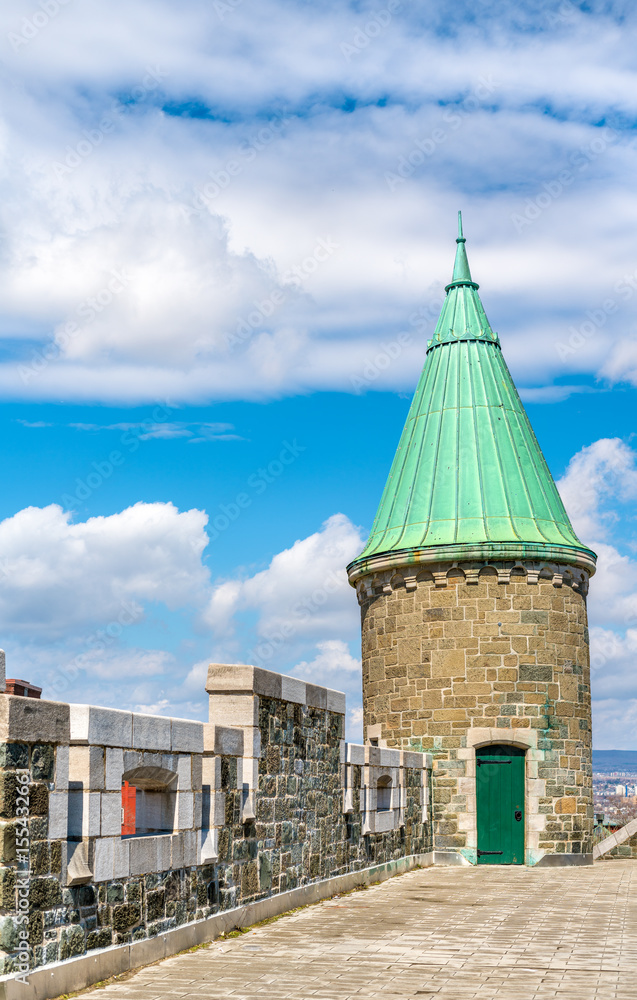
(461, 238)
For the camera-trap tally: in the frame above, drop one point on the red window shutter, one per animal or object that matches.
(128, 809)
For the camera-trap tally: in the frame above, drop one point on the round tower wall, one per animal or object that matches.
(461, 657)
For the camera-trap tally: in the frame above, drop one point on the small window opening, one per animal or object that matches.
(383, 795)
(148, 801)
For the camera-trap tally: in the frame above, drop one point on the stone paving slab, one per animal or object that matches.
(483, 933)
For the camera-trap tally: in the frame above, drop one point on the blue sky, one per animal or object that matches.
(226, 230)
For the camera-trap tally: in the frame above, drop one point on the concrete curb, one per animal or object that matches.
(80, 973)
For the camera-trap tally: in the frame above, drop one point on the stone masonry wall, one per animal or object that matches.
(447, 657)
(626, 850)
(301, 831)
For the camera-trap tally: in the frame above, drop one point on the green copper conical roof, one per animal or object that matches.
(469, 480)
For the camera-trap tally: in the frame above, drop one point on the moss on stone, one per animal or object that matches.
(125, 916)
(42, 762)
(99, 939)
(15, 755)
(38, 799)
(72, 942)
(36, 928)
(44, 893)
(115, 892)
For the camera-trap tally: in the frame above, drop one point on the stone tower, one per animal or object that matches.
(472, 589)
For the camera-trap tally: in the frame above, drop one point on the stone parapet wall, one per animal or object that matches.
(498, 651)
(620, 844)
(273, 804)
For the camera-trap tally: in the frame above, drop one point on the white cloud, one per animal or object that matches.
(334, 667)
(163, 430)
(332, 660)
(60, 577)
(116, 663)
(303, 594)
(293, 141)
(621, 364)
(598, 490)
(615, 723)
(605, 470)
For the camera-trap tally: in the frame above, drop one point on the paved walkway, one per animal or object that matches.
(436, 934)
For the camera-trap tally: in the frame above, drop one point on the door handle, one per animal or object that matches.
(518, 814)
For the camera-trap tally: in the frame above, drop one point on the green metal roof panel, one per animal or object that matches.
(468, 470)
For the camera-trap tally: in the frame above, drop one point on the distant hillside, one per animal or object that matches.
(615, 760)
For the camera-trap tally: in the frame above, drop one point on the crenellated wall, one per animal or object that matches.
(272, 800)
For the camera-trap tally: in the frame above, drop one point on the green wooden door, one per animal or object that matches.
(500, 803)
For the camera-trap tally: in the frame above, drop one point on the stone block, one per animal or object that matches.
(191, 845)
(211, 773)
(567, 804)
(536, 672)
(196, 769)
(111, 821)
(184, 772)
(535, 821)
(164, 853)
(217, 809)
(132, 759)
(30, 720)
(58, 815)
(151, 732)
(152, 759)
(389, 758)
(209, 849)
(104, 726)
(448, 663)
(186, 736)
(169, 761)
(121, 858)
(226, 741)
(234, 710)
(143, 855)
(267, 683)
(113, 768)
(198, 810)
(293, 689)
(248, 773)
(61, 767)
(251, 741)
(177, 850)
(231, 678)
(92, 818)
(86, 765)
(316, 696)
(336, 701)
(103, 865)
(185, 811)
(78, 871)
